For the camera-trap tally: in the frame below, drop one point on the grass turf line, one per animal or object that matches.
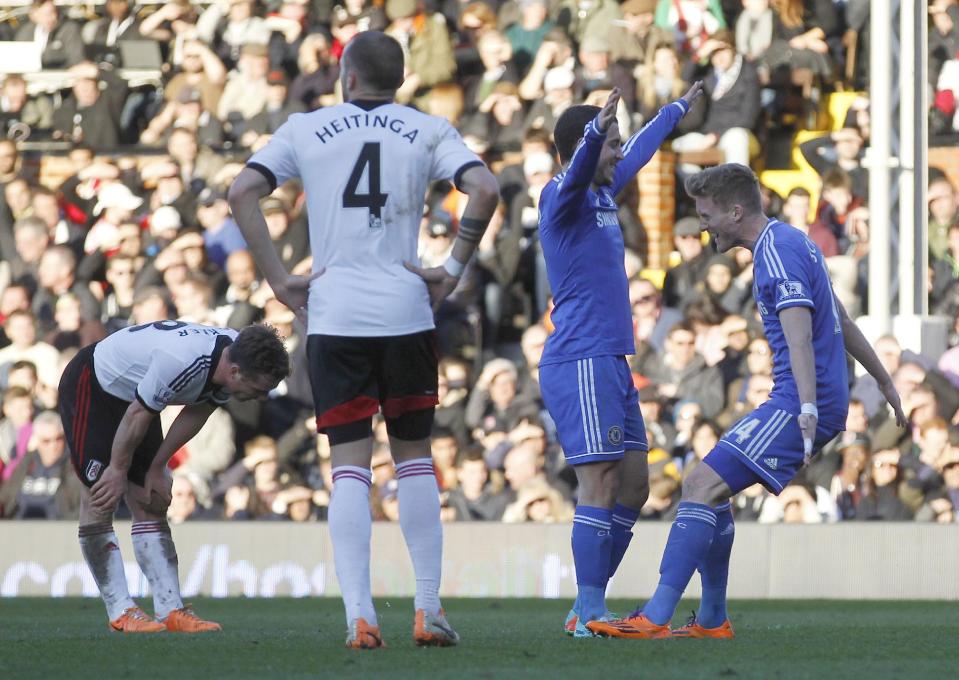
(303, 638)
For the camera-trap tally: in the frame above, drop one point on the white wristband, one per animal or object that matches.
(809, 409)
(454, 267)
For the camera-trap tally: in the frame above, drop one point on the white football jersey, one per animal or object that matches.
(167, 362)
(366, 169)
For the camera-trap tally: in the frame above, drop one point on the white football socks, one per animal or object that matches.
(420, 520)
(351, 527)
(156, 555)
(101, 550)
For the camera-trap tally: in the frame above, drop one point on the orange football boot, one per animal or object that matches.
(433, 630)
(135, 620)
(185, 621)
(692, 629)
(634, 626)
(362, 635)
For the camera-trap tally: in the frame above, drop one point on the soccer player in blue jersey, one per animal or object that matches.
(585, 381)
(809, 333)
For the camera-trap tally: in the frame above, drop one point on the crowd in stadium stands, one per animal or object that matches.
(140, 230)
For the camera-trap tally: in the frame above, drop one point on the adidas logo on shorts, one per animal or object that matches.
(772, 463)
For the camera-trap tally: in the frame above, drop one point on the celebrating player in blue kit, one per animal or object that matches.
(585, 381)
(809, 332)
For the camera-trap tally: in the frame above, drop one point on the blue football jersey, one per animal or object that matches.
(583, 245)
(789, 270)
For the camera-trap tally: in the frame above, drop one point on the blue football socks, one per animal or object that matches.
(623, 520)
(714, 570)
(689, 541)
(592, 543)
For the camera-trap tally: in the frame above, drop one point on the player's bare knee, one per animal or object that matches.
(704, 486)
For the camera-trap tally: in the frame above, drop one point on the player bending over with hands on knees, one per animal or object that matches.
(111, 395)
(809, 333)
(586, 384)
(366, 166)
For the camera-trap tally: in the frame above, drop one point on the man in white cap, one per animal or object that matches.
(115, 205)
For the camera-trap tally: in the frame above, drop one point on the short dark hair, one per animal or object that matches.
(799, 191)
(728, 184)
(376, 58)
(836, 178)
(569, 129)
(258, 350)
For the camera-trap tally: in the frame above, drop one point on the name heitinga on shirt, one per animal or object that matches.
(366, 120)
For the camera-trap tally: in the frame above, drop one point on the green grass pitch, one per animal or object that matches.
(286, 638)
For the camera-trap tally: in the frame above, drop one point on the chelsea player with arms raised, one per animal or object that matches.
(585, 380)
(809, 333)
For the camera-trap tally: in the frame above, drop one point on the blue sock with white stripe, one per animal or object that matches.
(592, 542)
(714, 570)
(689, 541)
(623, 520)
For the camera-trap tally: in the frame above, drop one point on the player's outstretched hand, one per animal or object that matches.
(439, 282)
(607, 115)
(109, 489)
(892, 396)
(693, 93)
(807, 425)
(295, 291)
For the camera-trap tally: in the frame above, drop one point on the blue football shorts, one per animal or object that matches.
(765, 446)
(595, 407)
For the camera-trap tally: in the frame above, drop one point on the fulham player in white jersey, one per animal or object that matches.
(111, 393)
(366, 166)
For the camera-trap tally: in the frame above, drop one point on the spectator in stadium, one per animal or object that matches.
(756, 389)
(734, 343)
(246, 91)
(118, 301)
(680, 281)
(241, 28)
(498, 66)
(73, 331)
(445, 448)
(315, 84)
(452, 391)
(583, 19)
(660, 82)
(198, 164)
(30, 240)
(682, 373)
(427, 48)
(732, 110)
(200, 71)
(659, 431)
(841, 212)
(630, 40)
(21, 329)
(596, 74)
(537, 501)
(691, 21)
(43, 486)
(277, 109)
(685, 414)
(800, 45)
(57, 38)
(62, 231)
(14, 296)
(91, 114)
(705, 435)
(492, 403)
(720, 288)
(840, 149)
(948, 466)
(184, 502)
(943, 214)
(474, 498)
(754, 29)
(526, 35)
(23, 115)
(555, 52)
(652, 320)
(847, 487)
(120, 23)
(289, 238)
(57, 275)
(116, 204)
(16, 428)
(882, 500)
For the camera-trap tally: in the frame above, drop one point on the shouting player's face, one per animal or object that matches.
(611, 154)
(720, 224)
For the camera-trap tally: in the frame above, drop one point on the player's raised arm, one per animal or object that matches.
(481, 186)
(639, 148)
(245, 193)
(860, 350)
